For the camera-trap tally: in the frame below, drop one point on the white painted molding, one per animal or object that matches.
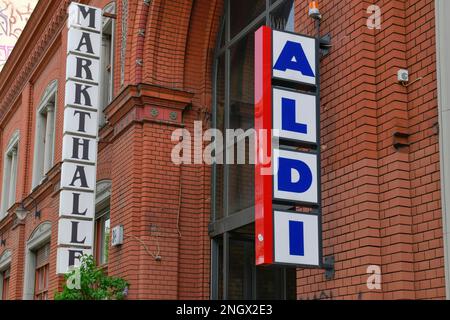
(5, 260)
(102, 194)
(50, 94)
(442, 9)
(39, 237)
(8, 166)
(5, 263)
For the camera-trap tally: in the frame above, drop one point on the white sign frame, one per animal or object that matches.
(312, 238)
(309, 46)
(309, 197)
(305, 112)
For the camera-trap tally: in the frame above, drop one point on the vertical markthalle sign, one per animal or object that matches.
(79, 149)
(287, 175)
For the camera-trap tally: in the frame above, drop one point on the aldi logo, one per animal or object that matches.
(292, 119)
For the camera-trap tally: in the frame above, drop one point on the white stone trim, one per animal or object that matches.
(5, 263)
(5, 260)
(103, 96)
(442, 9)
(102, 195)
(9, 183)
(40, 236)
(40, 168)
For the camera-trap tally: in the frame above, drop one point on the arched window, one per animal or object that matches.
(44, 141)
(37, 253)
(5, 268)
(9, 183)
(107, 60)
(102, 221)
(234, 274)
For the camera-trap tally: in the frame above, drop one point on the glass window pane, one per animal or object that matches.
(242, 83)
(269, 283)
(240, 282)
(243, 12)
(222, 35)
(283, 18)
(219, 184)
(270, 286)
(241, 176)
(220, 268)
(220, 93)
(291, 284)
(105, 251)
(220, 124)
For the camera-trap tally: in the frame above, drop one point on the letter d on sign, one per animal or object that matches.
(295, 176)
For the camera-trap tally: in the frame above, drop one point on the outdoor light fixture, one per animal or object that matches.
(2, 241)
(21, 212)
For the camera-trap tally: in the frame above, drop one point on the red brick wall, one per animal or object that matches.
(381, 206)
(145, 185)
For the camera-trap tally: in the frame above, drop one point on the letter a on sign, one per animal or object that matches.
(294, 57)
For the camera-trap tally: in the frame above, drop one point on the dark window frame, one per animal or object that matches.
(221, 227)
(42, 272)
(6, 275)
(99, 244)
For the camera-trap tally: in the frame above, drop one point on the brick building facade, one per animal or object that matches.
(176, 62)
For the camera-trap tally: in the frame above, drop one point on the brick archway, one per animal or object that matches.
(167, 85)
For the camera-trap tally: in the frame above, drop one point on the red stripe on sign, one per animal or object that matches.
(263, 141)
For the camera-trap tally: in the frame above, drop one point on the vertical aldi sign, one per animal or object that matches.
(287, 112)
(79, 154)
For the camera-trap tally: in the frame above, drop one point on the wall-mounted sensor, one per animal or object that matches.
(117, 236)
(403, 75)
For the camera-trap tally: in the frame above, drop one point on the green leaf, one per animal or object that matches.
(94, 284)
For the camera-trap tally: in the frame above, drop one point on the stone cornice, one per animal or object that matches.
(146, 95)
(144, 103)
(42, 29)
(49, 187)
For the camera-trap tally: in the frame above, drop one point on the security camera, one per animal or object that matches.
(403, 75)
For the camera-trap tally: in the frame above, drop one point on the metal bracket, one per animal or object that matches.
(328, 265)
(325, 45)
